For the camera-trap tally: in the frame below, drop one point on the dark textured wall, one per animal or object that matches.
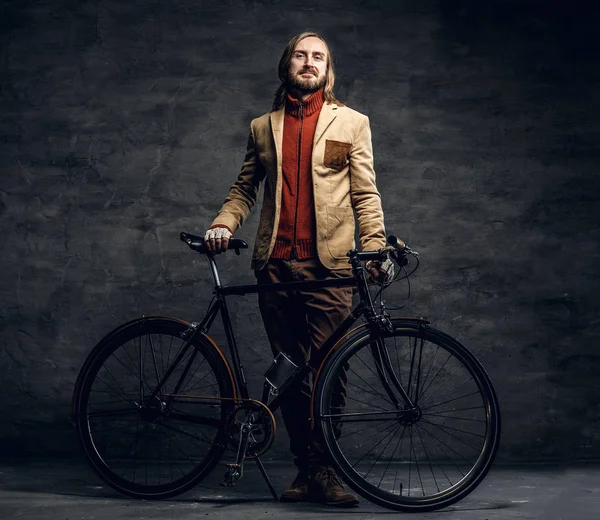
(125, 122)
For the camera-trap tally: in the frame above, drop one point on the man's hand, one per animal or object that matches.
(381, 272)
(217, 239)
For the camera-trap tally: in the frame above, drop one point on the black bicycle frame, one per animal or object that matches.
(363, 308)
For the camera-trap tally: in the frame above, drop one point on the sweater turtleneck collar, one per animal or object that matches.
(309, 106)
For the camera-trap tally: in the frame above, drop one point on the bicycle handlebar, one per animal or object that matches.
(396, 243)
(197, 244)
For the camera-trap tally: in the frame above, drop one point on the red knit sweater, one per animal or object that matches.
(297, 225)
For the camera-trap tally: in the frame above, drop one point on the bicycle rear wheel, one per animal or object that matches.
(150, 444)
(407, 458)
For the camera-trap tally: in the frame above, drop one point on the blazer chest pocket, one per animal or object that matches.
(336, 154)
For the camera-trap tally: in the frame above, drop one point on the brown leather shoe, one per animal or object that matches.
(298, 491)
(325, 487)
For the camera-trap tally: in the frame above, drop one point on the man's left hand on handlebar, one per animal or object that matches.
(381, 272)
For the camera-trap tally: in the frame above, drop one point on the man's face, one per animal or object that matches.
(308, 65)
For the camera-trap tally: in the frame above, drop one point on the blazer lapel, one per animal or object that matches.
(277, 128)
(327, 115)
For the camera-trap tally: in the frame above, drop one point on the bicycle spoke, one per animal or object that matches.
(362, 416)
(416, 399)
(134, 442)
(438, 390)
(375, 392)
(431, 364)
(398, 360)
(346, 435)
(370, 370)
(369, 439)
(412, 363)
(122, 392)
(364, 391)
(444, 427)
(454, 399)
(110, 413)
(398, 442)
(443, 451)
(428, 458)
(401, 441)
(154, 359)
(391, 437)
(365, 403)
(184, 390)
(187, 434)
(410, 451)
(417, 464)
(439, 370)
(141, 379)
(454, 417)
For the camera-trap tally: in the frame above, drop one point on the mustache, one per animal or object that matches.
(309, 70)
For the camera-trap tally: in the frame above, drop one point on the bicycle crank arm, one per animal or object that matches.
(235, 471)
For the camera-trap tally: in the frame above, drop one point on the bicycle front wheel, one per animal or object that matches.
(144, 439)
(419, 454)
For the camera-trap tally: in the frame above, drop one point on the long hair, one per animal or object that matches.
(284, 66)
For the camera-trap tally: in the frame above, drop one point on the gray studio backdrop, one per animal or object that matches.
(125, 122)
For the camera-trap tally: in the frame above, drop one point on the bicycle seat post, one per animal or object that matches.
(213, 269)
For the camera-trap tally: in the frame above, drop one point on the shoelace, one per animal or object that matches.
(327, 476)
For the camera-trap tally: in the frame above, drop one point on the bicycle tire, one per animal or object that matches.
(127, 436)
(443, 480)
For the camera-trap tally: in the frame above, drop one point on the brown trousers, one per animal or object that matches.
(297, 323)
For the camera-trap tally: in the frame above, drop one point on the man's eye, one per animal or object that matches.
(319, 58)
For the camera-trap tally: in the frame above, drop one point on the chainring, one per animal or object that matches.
(262, 427)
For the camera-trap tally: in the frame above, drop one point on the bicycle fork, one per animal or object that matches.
(388, 377)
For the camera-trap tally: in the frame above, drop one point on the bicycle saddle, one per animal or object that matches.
(197, 243)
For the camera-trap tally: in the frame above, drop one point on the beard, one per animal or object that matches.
(305, 85)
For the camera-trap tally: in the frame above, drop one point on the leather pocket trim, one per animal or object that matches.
(336, 154)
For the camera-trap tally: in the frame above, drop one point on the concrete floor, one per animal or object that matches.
(61, 490)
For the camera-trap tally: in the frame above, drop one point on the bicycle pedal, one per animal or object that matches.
(232, 475)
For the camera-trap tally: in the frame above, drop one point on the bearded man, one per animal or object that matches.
(315, 157)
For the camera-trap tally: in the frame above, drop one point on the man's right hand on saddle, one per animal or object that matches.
(217, 239)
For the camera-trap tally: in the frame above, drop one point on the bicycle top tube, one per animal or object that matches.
(309, 285)
(355, 259)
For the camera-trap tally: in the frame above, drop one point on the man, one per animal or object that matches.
(314, 155)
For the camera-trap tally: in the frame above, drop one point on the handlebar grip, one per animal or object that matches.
(396, 243)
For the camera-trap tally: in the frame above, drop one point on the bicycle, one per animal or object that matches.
(157, 403)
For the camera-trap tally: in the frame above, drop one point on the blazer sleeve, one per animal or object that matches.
(243, 194)
(365, 197)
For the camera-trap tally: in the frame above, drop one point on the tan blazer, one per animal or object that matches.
(343, 182)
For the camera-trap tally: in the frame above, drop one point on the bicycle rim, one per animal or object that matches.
(409, 459)
(153, 446)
